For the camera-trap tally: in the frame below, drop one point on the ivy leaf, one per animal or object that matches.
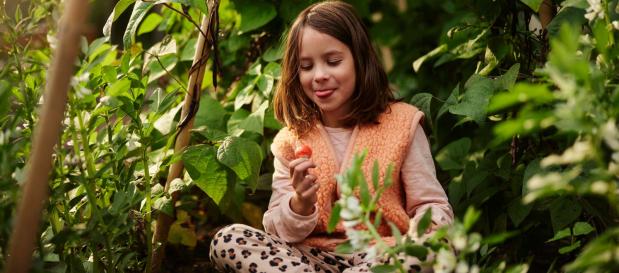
(533, 4)
(452, 156)
(243, 156)
(207, 173)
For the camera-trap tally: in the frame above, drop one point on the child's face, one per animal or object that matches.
(327, 74)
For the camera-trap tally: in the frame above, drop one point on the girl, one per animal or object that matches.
(333, 96)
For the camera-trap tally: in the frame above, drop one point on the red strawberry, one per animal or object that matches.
(303, 150)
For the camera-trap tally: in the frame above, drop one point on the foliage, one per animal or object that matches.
(523, 126)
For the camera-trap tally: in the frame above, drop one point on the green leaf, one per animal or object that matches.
(161, 67)
(384, 268)
(335, 217)
(255, 121)
(569, 248)
(533, 4)
(507, 80)
(582, 228)
(139, 11)
(345, 247)
(211, 114)
(207, 173)
(364, 194)
(438, 50)
(164, 204)
(234, 123)
(375, 175)
(566, 232)
(243, 156)
(265, 85)
(416, 251)
(424, 222)
(470, 218)
(518, 211)
(119, 88)
(567, 15)
(451, 100)
(563, 211)
(423, 101)
(119, 8)
(521, 93)
(150, 23)
(453, 156)
(254, 14)
(199, 4)
(499, 238)
(395, 232)
(476, 99)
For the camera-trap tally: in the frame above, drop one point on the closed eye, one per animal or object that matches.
(333, 62)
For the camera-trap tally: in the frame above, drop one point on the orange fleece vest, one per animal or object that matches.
(388, 142)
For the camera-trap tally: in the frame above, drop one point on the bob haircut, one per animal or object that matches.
(372, 94)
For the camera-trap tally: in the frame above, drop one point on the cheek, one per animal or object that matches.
(306, 80)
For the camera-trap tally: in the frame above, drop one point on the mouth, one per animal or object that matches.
(324, 93)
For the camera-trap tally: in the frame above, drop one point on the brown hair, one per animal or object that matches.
(372, 94)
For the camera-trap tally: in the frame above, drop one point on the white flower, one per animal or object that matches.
(615, 25)
(474, 242)
(594, 10)
(445, 261)
(474, 269)
(351, 210)
(578, 152)
(462, 267)
(459, 241)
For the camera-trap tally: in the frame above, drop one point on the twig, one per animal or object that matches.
(182, 137)
(46, 135)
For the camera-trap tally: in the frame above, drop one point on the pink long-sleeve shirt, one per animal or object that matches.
(418, 175)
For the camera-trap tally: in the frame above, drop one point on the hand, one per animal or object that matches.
(304, 185)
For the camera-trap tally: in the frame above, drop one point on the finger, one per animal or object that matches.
(307, 182)
(310, 194)
(300, 170)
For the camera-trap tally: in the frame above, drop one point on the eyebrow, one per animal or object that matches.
(327, 54)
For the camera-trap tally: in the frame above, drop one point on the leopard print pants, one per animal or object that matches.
(241, 248)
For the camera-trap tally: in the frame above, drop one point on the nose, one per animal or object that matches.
(321, 74)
